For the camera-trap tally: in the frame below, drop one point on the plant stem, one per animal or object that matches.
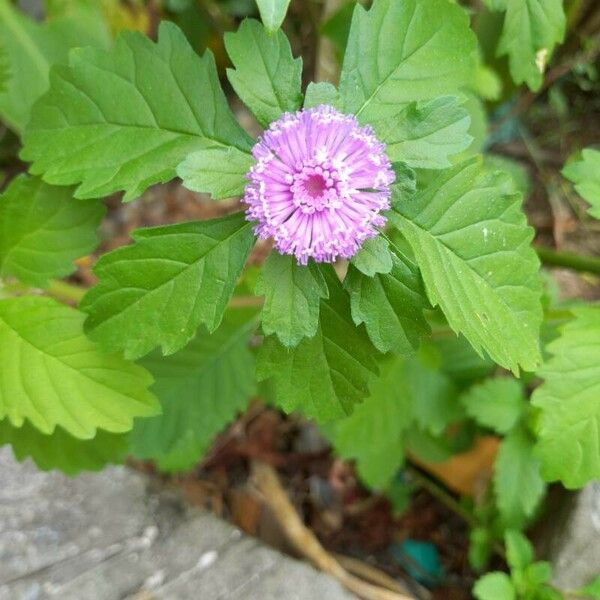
(65, 291)
(443, 496)
(570, 260)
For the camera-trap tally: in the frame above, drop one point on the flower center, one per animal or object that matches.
(315, 188)
(315, 185)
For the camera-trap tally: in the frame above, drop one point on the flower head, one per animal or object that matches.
(318, 185)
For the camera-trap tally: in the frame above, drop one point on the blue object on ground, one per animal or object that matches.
(421, 560)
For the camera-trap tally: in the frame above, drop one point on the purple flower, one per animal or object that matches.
(318, 185)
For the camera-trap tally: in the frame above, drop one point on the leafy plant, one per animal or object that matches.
(432, 329)
(528, 579)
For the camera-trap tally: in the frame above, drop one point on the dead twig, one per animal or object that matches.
(369, 573)
(305, 542)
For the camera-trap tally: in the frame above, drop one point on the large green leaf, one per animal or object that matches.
(400, 52)
(569, 425)
(496, 403)
(272, 12)
(326, 375)
(585, 174)
(4, 68)
(472, 244)
(424, 135)
(30, 49)
(53, 375)
(531, 30)
(292, 297)
(158, 290)
(518, 483)
(43, 230)
(124, 119)
(219, 171)
(411, 396)
(62, 451)
(373, 433)
(390, 305)
(266, 76)
(201, 389)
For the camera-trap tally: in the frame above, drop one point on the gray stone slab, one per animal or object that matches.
(574, 545)
(110, 536)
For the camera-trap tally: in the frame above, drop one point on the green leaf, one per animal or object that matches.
(4, 68)
(424, 135)
(390, 305)
(531, 30)
(272, 13)
(30, 49)
(496, 4)
(518, 173)
(63, 451)
(592, 589)
(266, 77)
(401, 52)
(496, 403)
(408, 393)
(292, 297)
(326, 375)
(519, 551)
(585, 174)
(434, 395)
(53, 375)
(428, 447)
(201, 389)
(538, 573)
(494, 586)
(161, 288)
(373, 257)
(471, 242)
(518, 484)
(321, 93)
(480, 547)
(43, 230)
(124, 119)
(569, 424)
(460, 362)
(406, 180)
(373, 433)
(548, 593)
(220, 172)
(487, 84)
